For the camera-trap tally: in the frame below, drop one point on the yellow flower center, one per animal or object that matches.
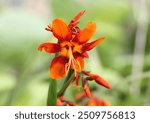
(67, 50)
(66, 46)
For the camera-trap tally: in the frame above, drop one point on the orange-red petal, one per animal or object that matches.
(97, 102)
(49, 47)
(57, 68)
(60, 30)
(86, 33)
(91, 45)
(77, 79)
(75, 20)
(99, 80)
(78, 65)
(91, 103)
(59, 103)
(85, 54)
(87, 90)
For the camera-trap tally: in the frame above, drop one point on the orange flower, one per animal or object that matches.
(72, 46)
(86, 88)
(89, 77)
(97, 102)
(93, 101)
(99, 80)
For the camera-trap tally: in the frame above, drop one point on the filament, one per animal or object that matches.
(72, 61)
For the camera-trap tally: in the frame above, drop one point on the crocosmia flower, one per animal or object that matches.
(72, 46)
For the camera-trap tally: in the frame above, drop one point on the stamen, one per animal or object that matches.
(79, 65)
(71, 61)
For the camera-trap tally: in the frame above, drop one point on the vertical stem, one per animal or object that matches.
(66, 84)
(52, 93)
(140, 10)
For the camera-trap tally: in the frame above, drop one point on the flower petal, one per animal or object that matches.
(60, 30)
(91, 45)
(57, 68)
(77, 79)
(78, 65)
(59, 103)
(99, 80)
(86, 33)
(86, 89)
(91, 103)
(49, 47)
(97, 102)
(75, 20)
(85, 54)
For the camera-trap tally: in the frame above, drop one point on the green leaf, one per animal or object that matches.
(52, 93)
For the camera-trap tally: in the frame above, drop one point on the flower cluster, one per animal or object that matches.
(81, 97)
(90, 77)
(71, 49)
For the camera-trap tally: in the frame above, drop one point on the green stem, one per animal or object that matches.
(52, 93)
(66, 84)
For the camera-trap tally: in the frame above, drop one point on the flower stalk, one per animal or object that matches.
(66, 84)
(52, 93)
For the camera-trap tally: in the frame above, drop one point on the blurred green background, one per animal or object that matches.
(123, 58)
